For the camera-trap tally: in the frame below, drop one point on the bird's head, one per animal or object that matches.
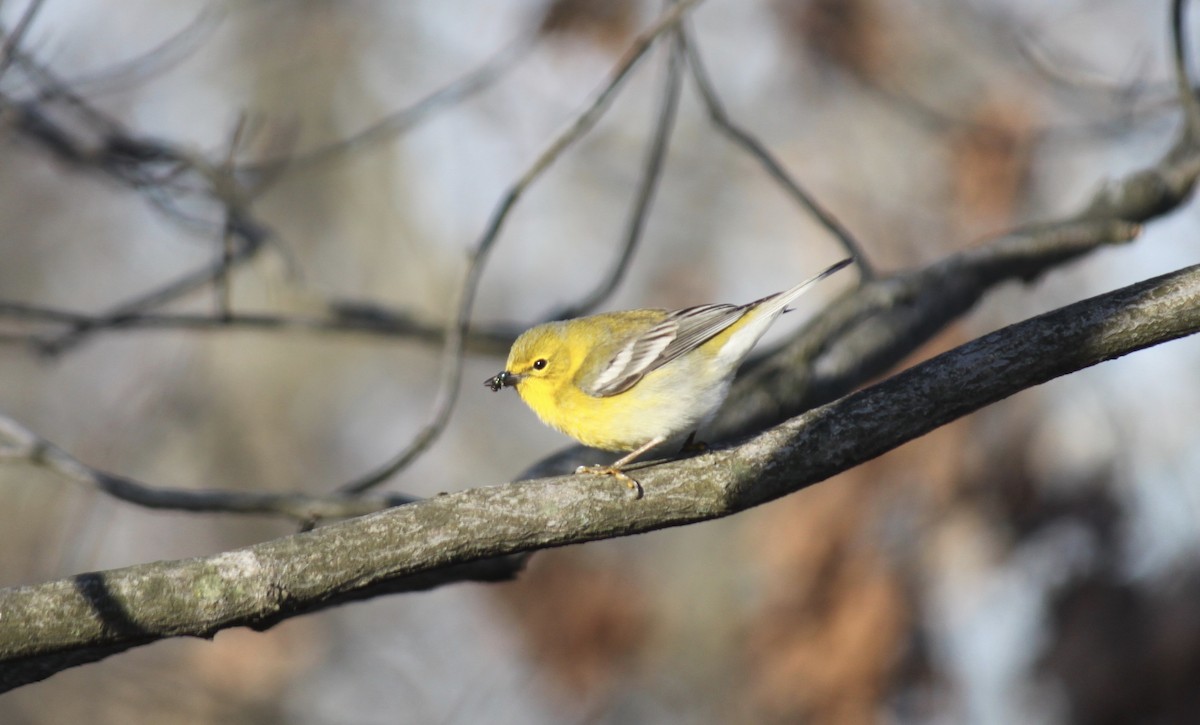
(539, 356)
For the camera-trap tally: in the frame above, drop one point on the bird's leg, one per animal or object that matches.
(615, 471)
(691, 445)
(634, 455)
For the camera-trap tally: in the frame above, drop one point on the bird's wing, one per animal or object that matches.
(679, 332)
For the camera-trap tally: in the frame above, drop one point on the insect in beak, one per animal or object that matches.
(502, 379)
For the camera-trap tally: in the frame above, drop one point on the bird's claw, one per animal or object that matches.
(630, 482)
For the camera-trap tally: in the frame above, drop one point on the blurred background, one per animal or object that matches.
(1034, 562)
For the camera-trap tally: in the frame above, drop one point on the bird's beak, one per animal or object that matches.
(502, 379)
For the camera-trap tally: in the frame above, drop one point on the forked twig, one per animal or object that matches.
(249, 237)
(751, 145)
(13, 40)
(261, 173)
(18, 443)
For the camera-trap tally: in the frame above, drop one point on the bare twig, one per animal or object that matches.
(1183, 84)
(19, 444)
(395, 124)
(160, 171)
(1068, 71)
(77, 145)
(342, 317)
(250, 238)
(221, 284)
(157, 60)
(452, 356)
(12, 40)
(754, 147)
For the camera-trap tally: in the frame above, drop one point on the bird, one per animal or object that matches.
(634, 380)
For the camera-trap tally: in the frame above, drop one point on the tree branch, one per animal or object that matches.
(18, 443)
(49, 627)
(751, 145)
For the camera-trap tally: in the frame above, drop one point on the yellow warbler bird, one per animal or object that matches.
(632, 381)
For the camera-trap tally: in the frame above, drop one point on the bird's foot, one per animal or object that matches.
(630, 482)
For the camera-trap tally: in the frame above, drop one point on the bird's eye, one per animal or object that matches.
(539, 364)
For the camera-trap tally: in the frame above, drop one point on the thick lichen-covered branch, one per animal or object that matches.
(475, 534)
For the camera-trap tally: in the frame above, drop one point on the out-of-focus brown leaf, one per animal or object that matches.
(582, 621)
(846, 33)
(606, 22)
(1123, 652)
(990, 163)
(824, 642)
(247, 667)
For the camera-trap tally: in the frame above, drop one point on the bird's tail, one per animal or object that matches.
(778, 302)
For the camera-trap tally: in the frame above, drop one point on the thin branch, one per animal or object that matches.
(250, 239)
(1187, 96)
(1068, 71)
(656, 154)
(19, 444)
(754, 147)
(221, 284)
(56, 625)
(1060, 71)
(928, 117)
(160, 171)
(12, 40)
(343, 317)
(398, 123)
(452, 356)
(168, 54)
(70, 145)
(140, 162)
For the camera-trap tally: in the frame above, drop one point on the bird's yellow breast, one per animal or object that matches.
(670, 402)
